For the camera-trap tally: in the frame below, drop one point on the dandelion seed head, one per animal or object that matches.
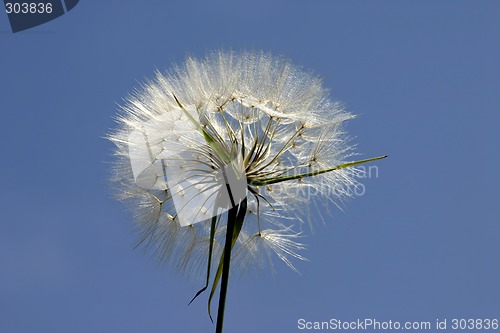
(264, 119)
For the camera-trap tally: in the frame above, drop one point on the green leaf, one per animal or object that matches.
(274, 180)
(210, 251)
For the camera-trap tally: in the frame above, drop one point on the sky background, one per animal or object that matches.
(423, 242)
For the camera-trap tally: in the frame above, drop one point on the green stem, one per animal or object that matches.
(231, 221)
(235, 219)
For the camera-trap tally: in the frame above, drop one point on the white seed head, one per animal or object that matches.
(196, 141)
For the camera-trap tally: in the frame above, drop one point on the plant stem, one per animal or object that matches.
(231, 221)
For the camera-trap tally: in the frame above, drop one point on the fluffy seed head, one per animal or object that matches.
(196, 141)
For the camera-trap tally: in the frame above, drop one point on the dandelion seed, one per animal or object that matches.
(218, 160)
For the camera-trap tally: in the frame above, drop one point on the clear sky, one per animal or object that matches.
(421, 244)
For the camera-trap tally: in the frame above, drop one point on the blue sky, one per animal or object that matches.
(421, 244)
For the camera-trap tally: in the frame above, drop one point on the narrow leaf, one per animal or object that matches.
(275, 180)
